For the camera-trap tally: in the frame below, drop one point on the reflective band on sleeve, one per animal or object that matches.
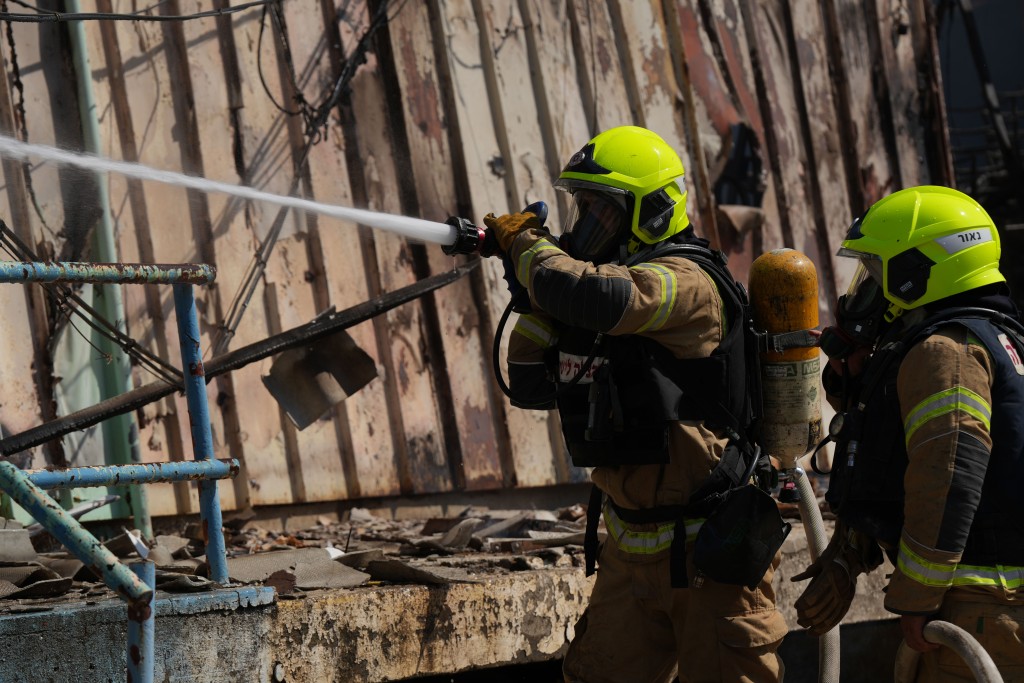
(646, 542)
(526, 259)
(668, 295)
(945, 402)
(536, 330)
(944, 575)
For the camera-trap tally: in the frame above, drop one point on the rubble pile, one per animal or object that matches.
(364, 549)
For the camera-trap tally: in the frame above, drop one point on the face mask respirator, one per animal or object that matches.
(860, 314)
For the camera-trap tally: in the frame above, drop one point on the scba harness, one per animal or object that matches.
(634, 389)
(619, 414)
(866, 484)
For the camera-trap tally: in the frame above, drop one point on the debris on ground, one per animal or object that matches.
(363, 550)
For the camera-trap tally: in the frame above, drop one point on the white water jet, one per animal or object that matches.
(412, 228)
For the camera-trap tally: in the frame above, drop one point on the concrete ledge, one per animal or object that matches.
(364, 635)
(384, 633)
(396, 632)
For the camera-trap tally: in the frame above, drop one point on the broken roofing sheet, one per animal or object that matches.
(364, 550)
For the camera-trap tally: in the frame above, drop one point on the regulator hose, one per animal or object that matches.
(960, 641)
(828, 644)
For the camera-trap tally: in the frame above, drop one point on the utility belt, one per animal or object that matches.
(734, 533)
(662, 538)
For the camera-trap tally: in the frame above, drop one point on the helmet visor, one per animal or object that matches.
(594, 224)
(865, 292)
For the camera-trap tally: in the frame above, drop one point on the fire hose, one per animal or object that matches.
(955, 638)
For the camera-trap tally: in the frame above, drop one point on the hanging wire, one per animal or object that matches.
(315, 119)
(44, 15)
(67, 303)
(19, 115)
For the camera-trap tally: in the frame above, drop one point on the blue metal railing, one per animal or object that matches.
(134, 584)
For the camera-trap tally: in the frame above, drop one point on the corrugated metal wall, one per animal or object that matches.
(456, 107)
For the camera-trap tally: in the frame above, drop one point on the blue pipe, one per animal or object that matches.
(75, 537)
(145, 473)
(141, 630)
(202, 435)
(102, 273)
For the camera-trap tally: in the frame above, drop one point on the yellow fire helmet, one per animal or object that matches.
(626, 184)
(925, 243)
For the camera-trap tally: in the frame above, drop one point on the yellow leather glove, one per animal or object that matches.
(827, 598)
(505, 228)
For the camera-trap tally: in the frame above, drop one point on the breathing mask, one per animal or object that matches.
(861, 311)
(595, 224)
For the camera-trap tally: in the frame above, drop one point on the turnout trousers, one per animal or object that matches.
(638, 629)
(996, 624)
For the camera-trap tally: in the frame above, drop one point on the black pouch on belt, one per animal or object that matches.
(740, 537)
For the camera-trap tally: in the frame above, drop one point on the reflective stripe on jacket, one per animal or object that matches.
(634, 541)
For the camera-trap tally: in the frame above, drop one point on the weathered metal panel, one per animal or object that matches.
(563, 118)
(654, 91)
(602, 81)
(466, 384)
(146, 308)
(523, 159)
(420, 447)
(479, 118)
(253, 149)
(854, 68)
(714, 45)
(785, 153)
(314, 456)
(827, 175)
(901, 74)
(364, 440)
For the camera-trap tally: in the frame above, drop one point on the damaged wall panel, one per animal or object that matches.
(472, 102)
(456, 107)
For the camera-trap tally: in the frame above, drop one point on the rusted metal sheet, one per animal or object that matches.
(831, 203)
(785, 152)
(602, 82)
(560, 102)
(714, 42)
(303, 62)
(699, 130)
(34, 198)
(457, 330)
(525, 163)
(160, 434)
(527, 444)
(420, 447)
(854, 67)
(652, 86)
(365, 439)
(894, 28)
(196, 144)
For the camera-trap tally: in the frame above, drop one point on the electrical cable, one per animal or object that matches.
(20, 117)
(51, 16)
(67, 302)
(315, 119)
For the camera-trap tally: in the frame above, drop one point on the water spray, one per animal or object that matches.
(445, 234)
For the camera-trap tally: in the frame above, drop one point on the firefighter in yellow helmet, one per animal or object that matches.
(926, 375)
(636, 335)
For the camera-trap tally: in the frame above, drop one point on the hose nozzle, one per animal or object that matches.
(468, 237)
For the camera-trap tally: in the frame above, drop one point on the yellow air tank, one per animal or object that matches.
(783, 289)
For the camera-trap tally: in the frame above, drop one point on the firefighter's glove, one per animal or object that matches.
(828, 596)
(505, 228)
